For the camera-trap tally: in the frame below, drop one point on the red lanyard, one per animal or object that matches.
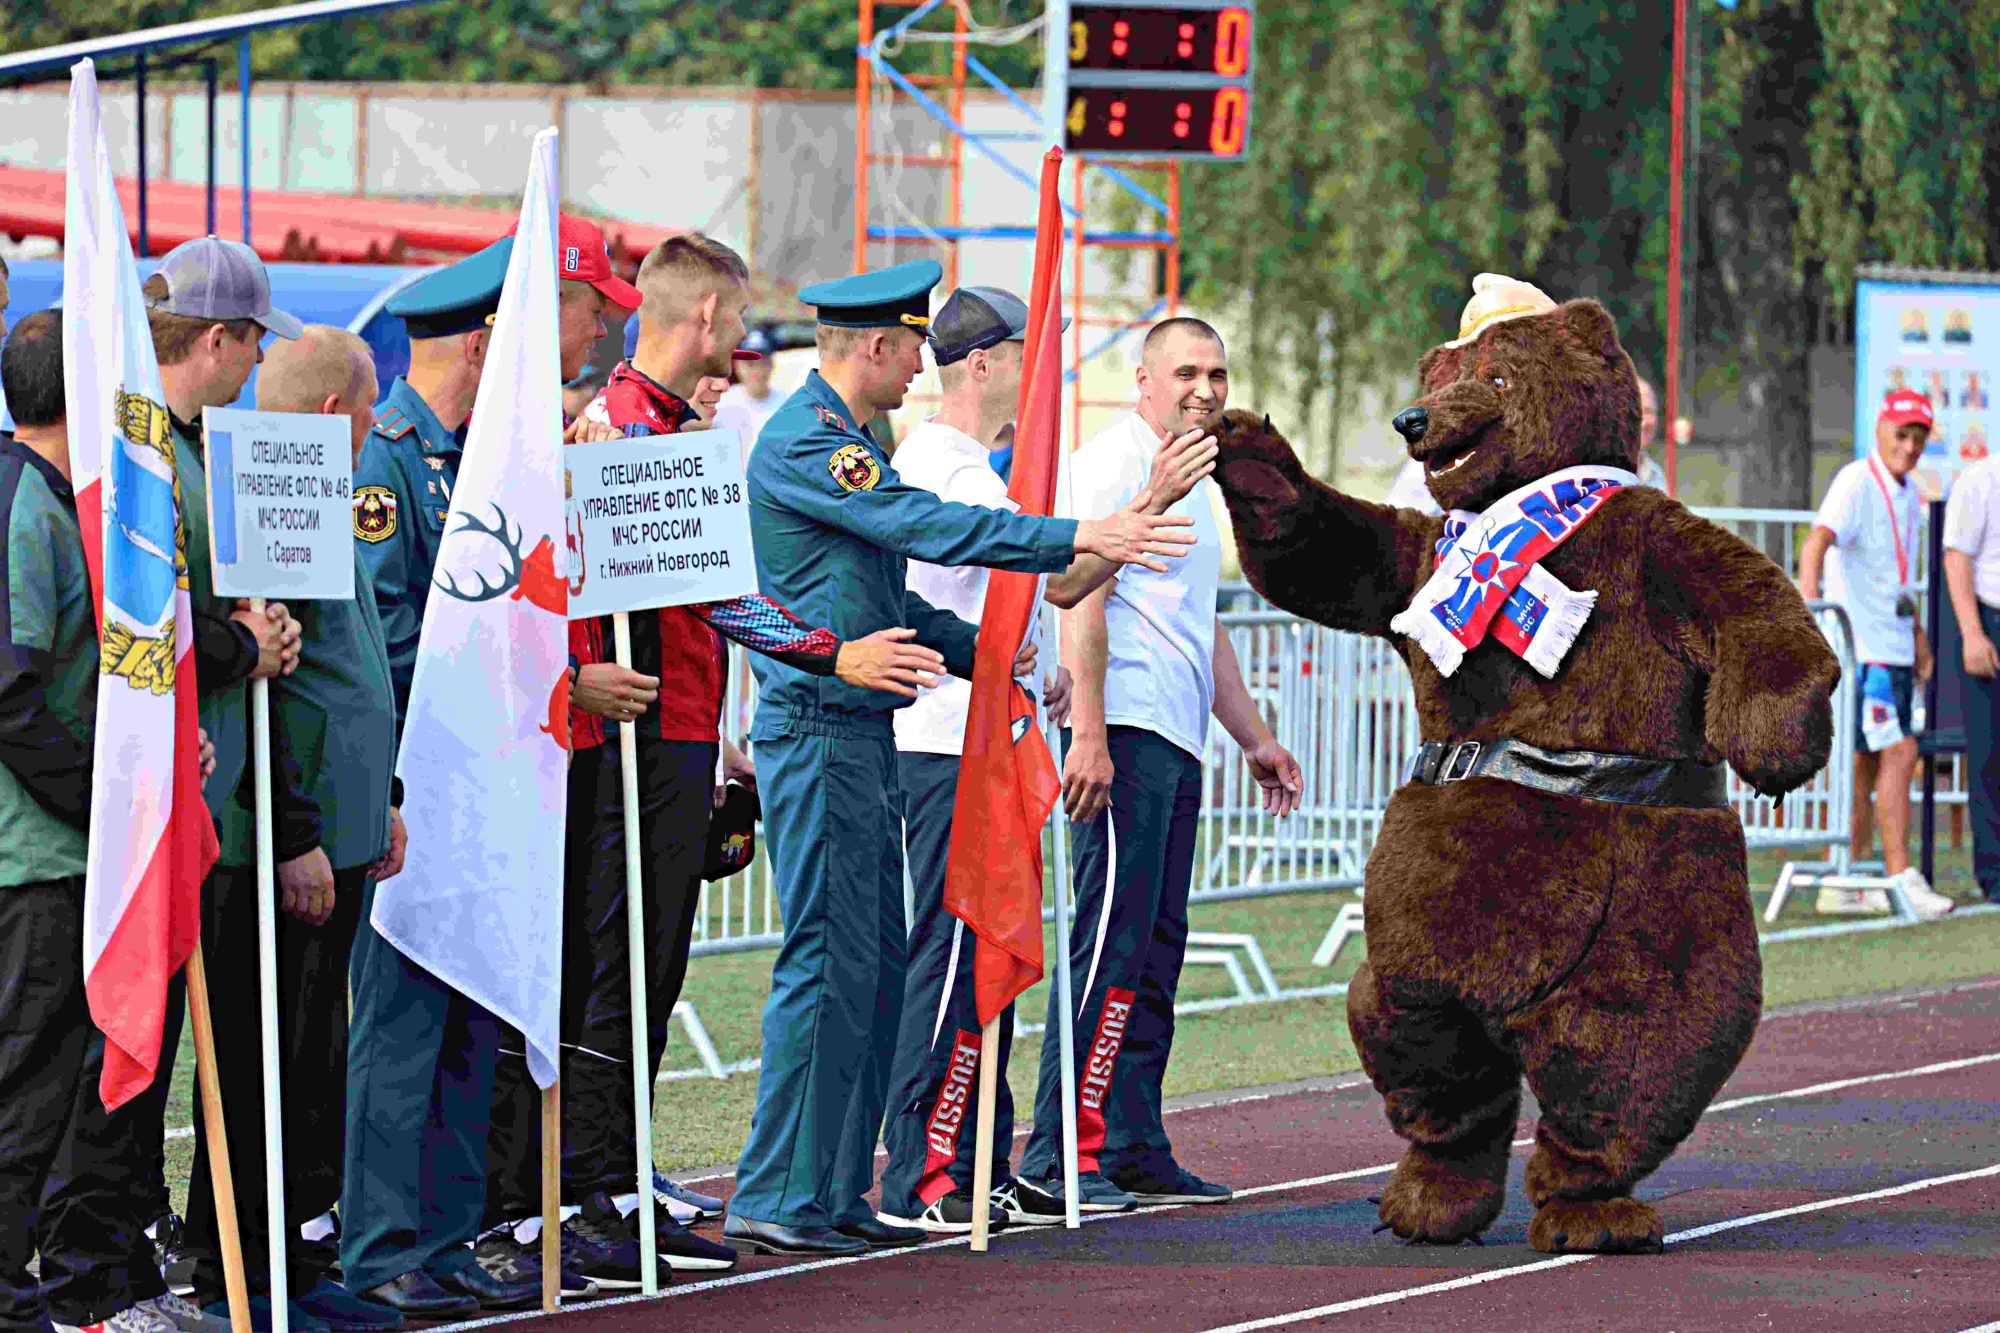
(1895, 531)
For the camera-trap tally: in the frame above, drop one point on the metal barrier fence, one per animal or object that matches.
(1342, 704)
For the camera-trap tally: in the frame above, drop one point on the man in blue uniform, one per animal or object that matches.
(402, 487)
(420, 1056)
(833, 525)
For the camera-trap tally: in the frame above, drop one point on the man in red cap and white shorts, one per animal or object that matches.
(1871, 520)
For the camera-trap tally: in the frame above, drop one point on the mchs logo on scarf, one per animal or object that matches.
(1488, 575)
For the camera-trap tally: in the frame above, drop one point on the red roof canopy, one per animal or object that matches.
(293, 225)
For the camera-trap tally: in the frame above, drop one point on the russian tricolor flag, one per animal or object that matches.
(151, 840)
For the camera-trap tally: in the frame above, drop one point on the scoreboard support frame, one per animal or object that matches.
(939, 92)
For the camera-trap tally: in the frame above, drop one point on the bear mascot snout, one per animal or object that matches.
(1560, 891)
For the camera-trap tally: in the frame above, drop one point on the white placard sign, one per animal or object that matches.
(280, 504)
(657, 520)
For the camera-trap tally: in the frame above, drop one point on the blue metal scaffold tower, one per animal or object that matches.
(940, 94)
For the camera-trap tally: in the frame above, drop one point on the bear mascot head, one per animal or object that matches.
(1558, 892)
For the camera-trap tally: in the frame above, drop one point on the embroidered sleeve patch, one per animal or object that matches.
(374, 513)
(854, 468)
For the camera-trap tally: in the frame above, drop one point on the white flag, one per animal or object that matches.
(484, 760)
(151, 841)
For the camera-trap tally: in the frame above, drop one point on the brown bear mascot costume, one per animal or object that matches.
(1560, 890)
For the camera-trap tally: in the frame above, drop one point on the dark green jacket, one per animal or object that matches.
(225, 653)
(48, 673)
(333, 725)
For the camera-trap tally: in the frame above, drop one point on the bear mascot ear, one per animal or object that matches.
(1591, 325)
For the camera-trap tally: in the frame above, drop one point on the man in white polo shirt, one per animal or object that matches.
(976, 339)
(1870, 520)
(1972, 576)
(1151, 666)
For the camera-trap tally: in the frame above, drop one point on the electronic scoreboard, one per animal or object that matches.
(1170, 79)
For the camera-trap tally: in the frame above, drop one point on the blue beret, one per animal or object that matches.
(894, 297)
(458, 299)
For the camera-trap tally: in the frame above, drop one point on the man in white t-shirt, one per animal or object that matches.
(747, 404)
(1870, 520)
(1151, 666)
(1972, 577)
(976, 339)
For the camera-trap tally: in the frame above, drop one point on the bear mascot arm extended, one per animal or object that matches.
(1770, 673)
(1560, 893)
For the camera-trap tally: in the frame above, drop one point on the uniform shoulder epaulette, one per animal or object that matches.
(393, 425)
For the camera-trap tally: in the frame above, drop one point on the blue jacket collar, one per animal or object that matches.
(827, 400)
(430, 431)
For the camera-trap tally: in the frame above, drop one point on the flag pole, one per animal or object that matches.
(1065, 1001)
(221, 1179)
(635, 921)
(267, 995)
(982, 1138)
(552, 1197)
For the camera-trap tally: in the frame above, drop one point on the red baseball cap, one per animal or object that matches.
(583, 256)
(1906, 407)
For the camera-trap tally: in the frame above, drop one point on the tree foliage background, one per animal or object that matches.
(1399, 147)
(1402, 146)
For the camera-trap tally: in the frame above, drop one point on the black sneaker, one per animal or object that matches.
(950, 1215)
(1181, 1187)
(1094, 1193)
(170, 1252)
(606, 1251)
(506, 1259)
(1027, 1207)
(682, 1250)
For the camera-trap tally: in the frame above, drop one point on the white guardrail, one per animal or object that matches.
(1342, 705)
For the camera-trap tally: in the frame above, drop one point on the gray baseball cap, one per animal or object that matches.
(976, 317)
(211, 278)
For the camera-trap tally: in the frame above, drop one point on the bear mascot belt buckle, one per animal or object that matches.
(1451, 771)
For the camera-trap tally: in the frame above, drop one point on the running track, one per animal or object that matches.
(1847, 1179)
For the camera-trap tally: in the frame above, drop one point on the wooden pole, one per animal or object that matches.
(551, 1197)
(635, 922)
(220, 1176)
(982, 1141)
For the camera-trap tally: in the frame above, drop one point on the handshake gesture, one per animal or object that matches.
(1142, 533)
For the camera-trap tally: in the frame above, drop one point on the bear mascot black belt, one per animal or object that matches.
(1620, 778)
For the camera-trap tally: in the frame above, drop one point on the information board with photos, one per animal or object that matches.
(1941, 339)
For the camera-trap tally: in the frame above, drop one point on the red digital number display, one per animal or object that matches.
(1209, 122)
(1174, 41)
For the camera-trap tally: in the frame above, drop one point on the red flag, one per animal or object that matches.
(1007, 779)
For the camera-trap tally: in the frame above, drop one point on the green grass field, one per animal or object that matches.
(701, 1122)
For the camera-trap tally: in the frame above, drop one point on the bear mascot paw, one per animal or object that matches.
(1559, 892)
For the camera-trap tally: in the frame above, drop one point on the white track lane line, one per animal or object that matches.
(1306, 1182)
(1983, 1328)
(1565, 1261)
(1942, 1067)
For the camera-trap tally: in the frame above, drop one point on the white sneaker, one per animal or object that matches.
(1853, 902)
(137, 1319)
(1927, 902)
(184, 1314)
